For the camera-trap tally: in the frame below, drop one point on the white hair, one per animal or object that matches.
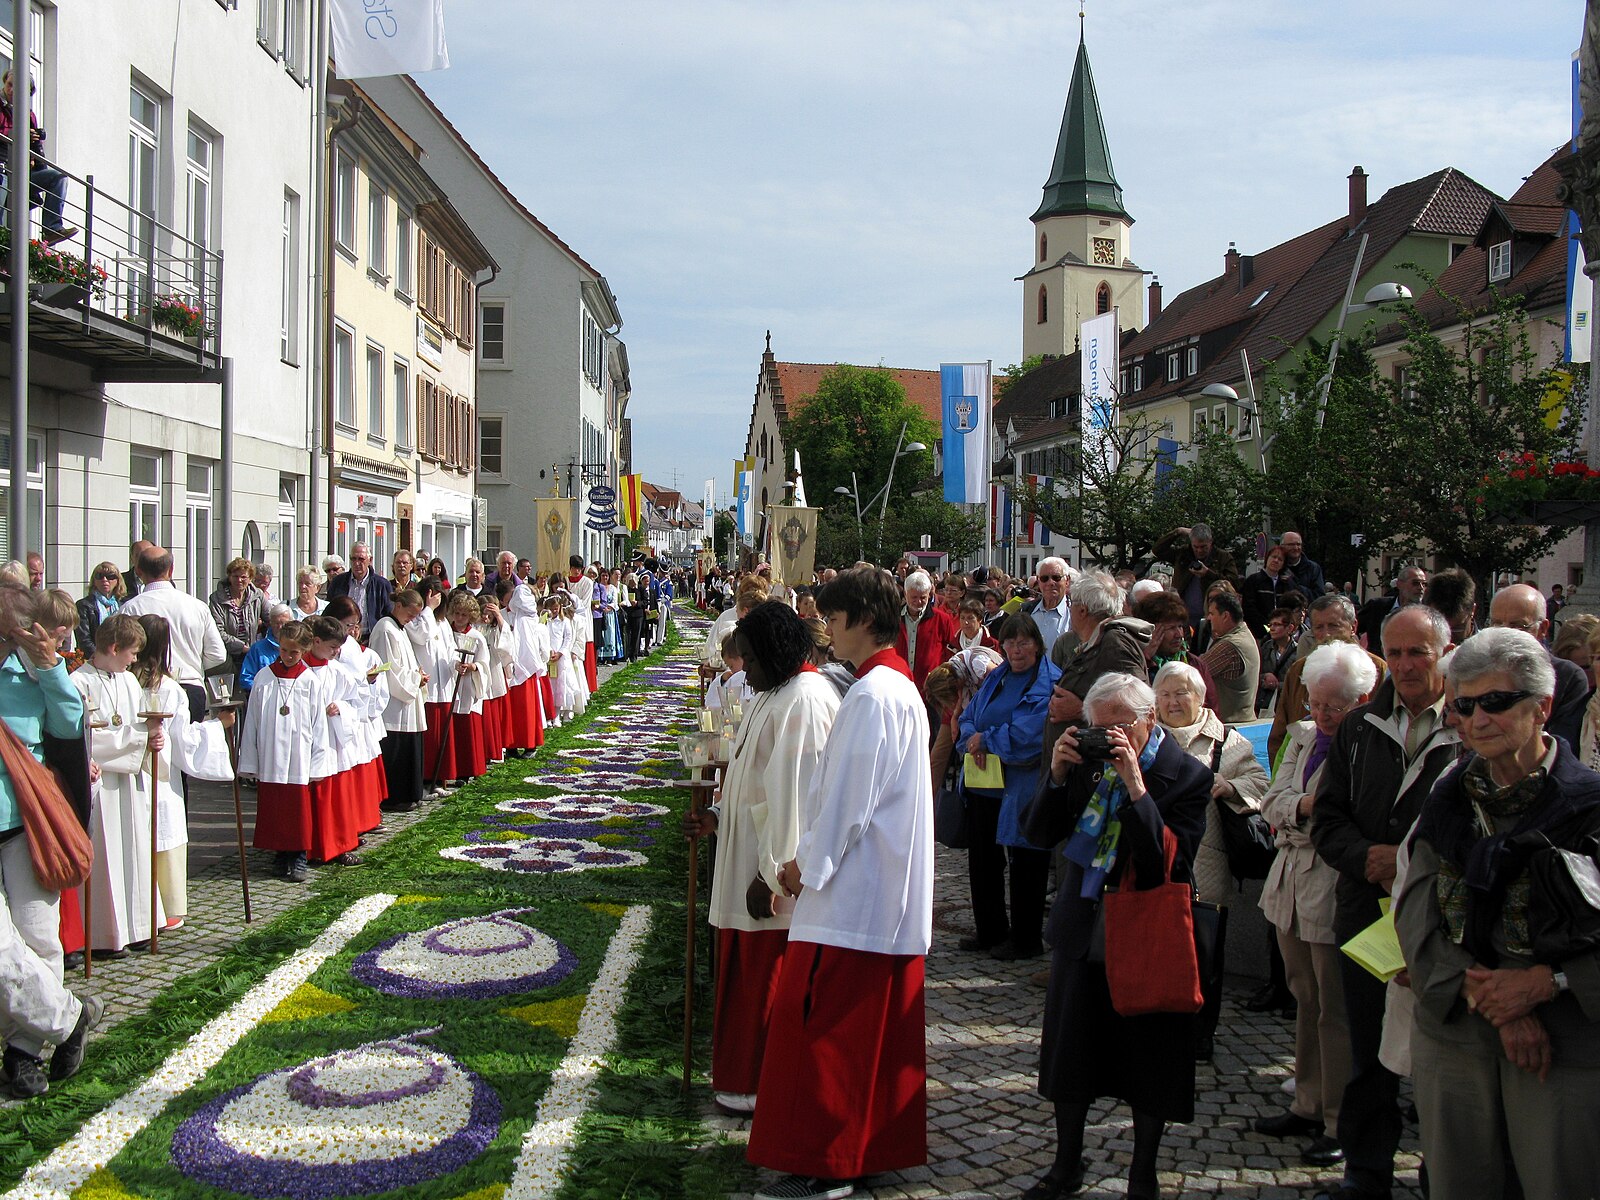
(1116, 687)
(1180, 670)
(1344, 664)
(1097, 594)
(1143, 588)
(280, 608)
(1054, 561)
(919, 582)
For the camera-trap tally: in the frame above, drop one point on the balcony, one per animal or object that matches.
(127, 297)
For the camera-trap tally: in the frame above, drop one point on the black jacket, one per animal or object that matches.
(380, 598)
(1370, 797)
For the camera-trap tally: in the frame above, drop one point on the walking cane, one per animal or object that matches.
(464, 654)
(92, 724)
(155, 809)
(689, 941)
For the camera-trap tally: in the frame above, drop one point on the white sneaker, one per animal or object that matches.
(807, 1187)
(738, 1103)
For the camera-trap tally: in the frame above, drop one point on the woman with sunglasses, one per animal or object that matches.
(1511, 1021)
(106, 594)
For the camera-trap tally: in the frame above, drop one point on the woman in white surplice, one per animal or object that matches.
(757, 823)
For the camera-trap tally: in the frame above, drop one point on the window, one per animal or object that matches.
(1044, 247)
(199, 218)
(1219, 418)
(1261, 297)
(1102, 298)
(35, 49)
(402, 404)
(404, 270)
(144, 496)
(289, 266)
(1172, 367)
(1192, 366)
(494, 540)
(1138, 376)
(35, 534)
(294, 38)
(1404, 385)
(1245, 427)
(377, 392)
(1197, 428)
(267, 29)
(144, 157)
(288, 563)
(1499, 261)
(377, 231)
(344, 378)
(592, 343)
(345, 203)
(1043, 305)
(197, 523)
(427, 424)
(492, 332)
(491, 444)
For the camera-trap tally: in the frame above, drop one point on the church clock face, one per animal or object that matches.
(1105, 252)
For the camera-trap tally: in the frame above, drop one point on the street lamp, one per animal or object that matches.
(849, 491)
(901, 449)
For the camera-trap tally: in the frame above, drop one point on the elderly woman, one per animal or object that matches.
(238, 609)
(1006, 719)
(39, 703)
(1240, 783)
(1511, 1027)
(1107, 818)
(1298, 899)
(106, 594)
(308, 601)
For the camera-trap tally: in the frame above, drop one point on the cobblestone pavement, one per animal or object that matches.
(991, 1135)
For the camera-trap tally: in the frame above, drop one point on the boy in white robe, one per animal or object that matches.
(404, 716)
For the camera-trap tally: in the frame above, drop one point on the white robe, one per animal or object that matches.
(404, 712)
(287, 749)
(119, 811)
(367, 699)
(571, 697)
(470, 691)
(582, 593)
(501, 644)
(441, 653)
(199, 751)
(866, 846)
(775, 761)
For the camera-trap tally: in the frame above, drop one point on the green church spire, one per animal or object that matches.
(1081, 178)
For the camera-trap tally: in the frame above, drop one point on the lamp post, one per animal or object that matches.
(853, 491)
(901, 449)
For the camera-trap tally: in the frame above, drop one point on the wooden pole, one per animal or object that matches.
(449, 714)
(155, 808)
(689, 946)
(238, 818)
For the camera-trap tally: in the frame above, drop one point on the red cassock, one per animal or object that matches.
(590, 670)
(547, 693)
(844, 1085)
(70, 923)
(283, 816)
(748, 966)
(336, 812)
(494, 727)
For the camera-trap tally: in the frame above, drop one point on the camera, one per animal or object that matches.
(1094, 743)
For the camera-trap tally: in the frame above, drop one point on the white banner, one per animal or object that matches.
(387, 37)
(1099, 358)
(708, 529)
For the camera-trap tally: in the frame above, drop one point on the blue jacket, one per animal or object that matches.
(1014, 732)
(262, 654)
(49, 707)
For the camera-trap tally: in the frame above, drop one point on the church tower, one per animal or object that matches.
(1082, 257)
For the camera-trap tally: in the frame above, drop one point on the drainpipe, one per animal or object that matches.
(477, 409)
(227, 460)
(316, 250)
(18, 169)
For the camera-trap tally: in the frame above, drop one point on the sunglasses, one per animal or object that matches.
(1493, 703)
(1051, 578)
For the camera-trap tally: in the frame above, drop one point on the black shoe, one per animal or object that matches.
(1323, 1151)
(25, 1073)
(973, 945)
(142, 946)
(1347, 1192)
(1268, 998)
(1288, 1124)
(71, 962)
(1009, 951)
(1205, 1049)
(64, 1063)
(281, 861)
(297, 869)
(1052, 1186)
(347, 859)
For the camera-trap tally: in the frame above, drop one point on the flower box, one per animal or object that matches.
(1550, 512)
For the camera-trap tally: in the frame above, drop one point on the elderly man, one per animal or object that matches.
(1380, 768)
(1197, 563)
(473, 581)
(263, 583)
(1049, 611)
(925, 629)
(1307, 573)
(1103, 641)
(372, 593)
(1233, 658)
(1521, 606)
(36, 570)
(505, 567)
(1408, 588)
(130, 577)
(1333, 619)
(196, 643)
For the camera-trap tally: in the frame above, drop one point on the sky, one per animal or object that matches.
(856, 176)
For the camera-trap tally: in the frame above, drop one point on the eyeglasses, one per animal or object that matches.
(1051, 578)
(108, 575)
(1525, 625)
(1493, 703)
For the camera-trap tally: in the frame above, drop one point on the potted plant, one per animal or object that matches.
(62, 278)
(177, 316)
(1530, 492)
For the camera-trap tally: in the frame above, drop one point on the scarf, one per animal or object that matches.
(1093, 844)
(1318, 755)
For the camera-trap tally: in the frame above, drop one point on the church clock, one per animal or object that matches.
(1105, 252)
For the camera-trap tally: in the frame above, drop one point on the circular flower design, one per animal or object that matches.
(472, 958)
(376, 1117)
(544, 855)
(595, 781)
(596, 807)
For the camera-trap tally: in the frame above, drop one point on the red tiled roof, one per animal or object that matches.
(1538, 219)
(1540, 187)
(797, 383)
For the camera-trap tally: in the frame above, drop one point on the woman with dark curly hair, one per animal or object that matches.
(757, 821)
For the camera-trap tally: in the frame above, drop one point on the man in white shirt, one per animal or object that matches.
(844, 1082)
(196, 642)
(1049, 611)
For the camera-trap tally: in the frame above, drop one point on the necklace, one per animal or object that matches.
(283, 709)
(107, 694)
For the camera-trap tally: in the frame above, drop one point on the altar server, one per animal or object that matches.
(580, 586)
(404, 716)
(844, 1083)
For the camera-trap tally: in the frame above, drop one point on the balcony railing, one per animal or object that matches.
(125, 292)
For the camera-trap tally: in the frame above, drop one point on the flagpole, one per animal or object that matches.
(988, 474)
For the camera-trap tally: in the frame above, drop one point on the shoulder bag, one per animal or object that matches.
(57, 843)
(1246, 836)
(1151, 961)
(1564, 901)
(950, 824)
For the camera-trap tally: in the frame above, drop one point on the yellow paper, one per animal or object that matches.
(1377, 947)
(992, 775)
(1013, 605)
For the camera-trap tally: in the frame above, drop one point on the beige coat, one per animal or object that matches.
(1298, 896)
(1249, 779)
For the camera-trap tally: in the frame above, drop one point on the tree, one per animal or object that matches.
(1218, 487)
(852, 423)
(723, 533)
(949, 527)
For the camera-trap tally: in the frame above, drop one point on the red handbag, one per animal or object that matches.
(58, 845)
(1151, 962)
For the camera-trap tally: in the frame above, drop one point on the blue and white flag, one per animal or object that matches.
(966, 397)
(387, 37)
(745, 514)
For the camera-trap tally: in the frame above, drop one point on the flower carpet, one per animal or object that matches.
(489, 1009)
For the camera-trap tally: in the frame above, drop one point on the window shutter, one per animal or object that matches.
(469, 437)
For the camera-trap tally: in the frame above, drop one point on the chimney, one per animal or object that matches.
(1358, 196)
(1155, 299)
(1230, 262)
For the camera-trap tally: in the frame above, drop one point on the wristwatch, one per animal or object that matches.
(1558, 978)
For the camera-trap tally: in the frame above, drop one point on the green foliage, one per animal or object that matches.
(852, 424)
(724, 534)
(1218, 487)
(952, 528)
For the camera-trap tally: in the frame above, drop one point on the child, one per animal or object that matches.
(498, 638)
(730, 683)
(971, 632)
(805, 601)
(119, 822)
(429, 632)
(199, 750)
(337, 801)
(524, 706)
(405, 715)
(564, 669)
(285, 747)
(363, 691)
(465, 756)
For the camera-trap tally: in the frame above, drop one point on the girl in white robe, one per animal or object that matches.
(501, 643)
(465, 754)
(405, 715)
